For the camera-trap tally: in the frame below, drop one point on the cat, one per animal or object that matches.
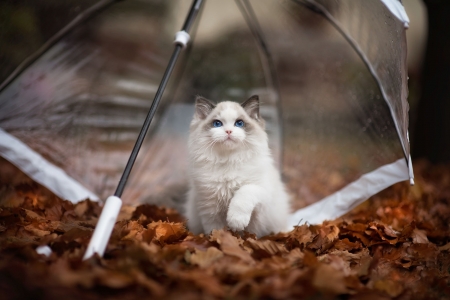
(233, 180)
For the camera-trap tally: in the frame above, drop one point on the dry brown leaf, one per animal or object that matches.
(389, 286)
(295, 256)
(357, 227)
(112, 279)
(167, 232)
(350, 257)
(446, 247)
(329, 280)
(419, 236)
(380, 230)
(337, 262)
(427, 253)
(230, 245)
(328, 234)
(31, 215)
(132, 231)
(346, 244)
(364, 265)
(199, 278)
(359, 262)
(389, 231)
(54, 213)
(77, 234)
(62, 273)
(268, 247)
(152, 286)
(233, 267)
(205, 258)
(196, 242)
(62, 227)
(310, 259)
(126, 212)
(361, 237)
(81, 208)
(36, 231)
(300, 236)
(152, 213)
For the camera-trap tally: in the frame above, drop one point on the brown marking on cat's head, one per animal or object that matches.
(203, 107)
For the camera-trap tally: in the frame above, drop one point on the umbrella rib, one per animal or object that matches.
(268, 66)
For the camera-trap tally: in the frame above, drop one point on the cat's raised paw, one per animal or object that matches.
(237, 221)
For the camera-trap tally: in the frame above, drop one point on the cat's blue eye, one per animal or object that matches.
(239, 123)
(217, 123)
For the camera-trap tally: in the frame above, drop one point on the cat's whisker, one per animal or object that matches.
(210, 146)
(247, 146)
(214, 142)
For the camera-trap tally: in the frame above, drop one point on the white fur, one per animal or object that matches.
(233, 181)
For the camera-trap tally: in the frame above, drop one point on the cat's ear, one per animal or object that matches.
(251, 107)
(203, 107)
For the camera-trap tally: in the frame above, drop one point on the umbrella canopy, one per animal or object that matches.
(331, 77)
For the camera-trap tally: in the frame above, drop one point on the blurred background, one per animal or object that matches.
(116, 42)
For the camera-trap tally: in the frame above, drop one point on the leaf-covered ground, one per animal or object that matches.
(394, 246)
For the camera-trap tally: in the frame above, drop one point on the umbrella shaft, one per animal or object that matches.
(134, 153)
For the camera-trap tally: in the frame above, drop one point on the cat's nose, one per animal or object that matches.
(228, 131)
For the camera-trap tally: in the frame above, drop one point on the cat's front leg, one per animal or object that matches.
(242, 205)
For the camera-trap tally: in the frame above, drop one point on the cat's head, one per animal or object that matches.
(228, 125)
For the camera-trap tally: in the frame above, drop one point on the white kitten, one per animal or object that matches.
(233, 181)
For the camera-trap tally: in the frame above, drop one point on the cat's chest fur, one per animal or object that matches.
(219, 182)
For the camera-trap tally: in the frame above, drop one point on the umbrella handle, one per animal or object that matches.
(104, 227)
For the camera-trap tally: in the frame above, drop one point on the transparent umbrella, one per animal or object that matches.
(331, 77)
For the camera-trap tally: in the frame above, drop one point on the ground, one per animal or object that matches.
(394, 246)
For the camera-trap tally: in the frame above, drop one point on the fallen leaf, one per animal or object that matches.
(329, 280)
(126, 212)
(81, 208)
(112, 279)
(205, 258)
(167, 232)
(267, 247)
(357, 227)
(36, 231)
(446, 247)
(325, 239)
(295, 256)
(132, 231)
(153, 213)
(390, 287)
(310, 259)
(31, 215)
(419, 236)
(230, 245)
(346, 244)
(154, 287)
(300, 236)
(208, 283)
